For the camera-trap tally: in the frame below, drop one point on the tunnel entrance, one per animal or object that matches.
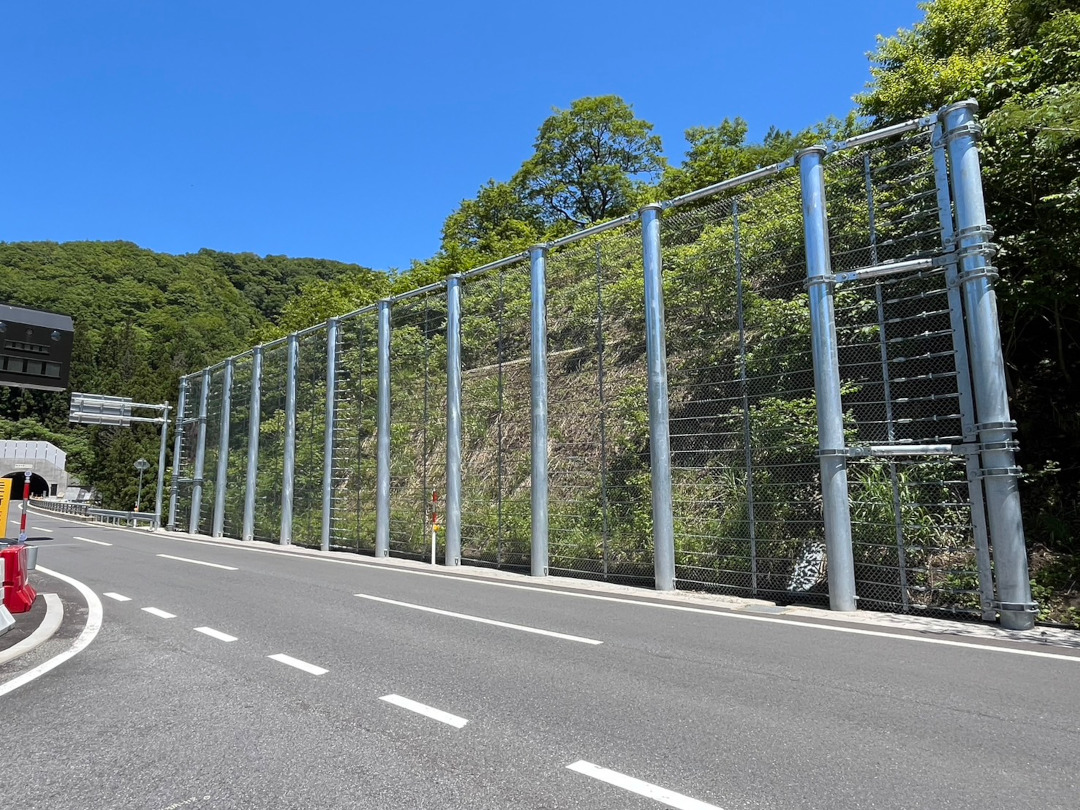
(39, 487)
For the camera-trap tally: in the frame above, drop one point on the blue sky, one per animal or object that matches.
(350, 131)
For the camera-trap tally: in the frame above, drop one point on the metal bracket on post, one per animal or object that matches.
(538, 357)
(834, 483)
(988, 367)
(453, 421)
(659, 434)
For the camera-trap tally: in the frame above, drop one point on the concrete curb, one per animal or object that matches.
(54, 616)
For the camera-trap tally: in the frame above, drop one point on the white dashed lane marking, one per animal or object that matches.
(199, 562)
(95, 542)
(118, 597)
(281, 658)
(427, 711)
(161, 614)
(210, 631)
(662, 795)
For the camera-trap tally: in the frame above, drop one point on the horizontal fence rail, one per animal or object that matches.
(784, 385)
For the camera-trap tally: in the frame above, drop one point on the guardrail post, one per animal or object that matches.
(538, 360)
(382, 442)
(251, 478)
(218, 525)
(200, 457)
(161, 466)
(453, 421)
(328, 435)
(289, 466)
(995, 427)
(830, 415)
(174, 485)
(659, 436)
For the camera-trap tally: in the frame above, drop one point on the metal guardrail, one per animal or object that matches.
(111, 516)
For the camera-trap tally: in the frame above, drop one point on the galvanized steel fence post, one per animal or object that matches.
(220, 480)
(453, 421)
(539, 439)
(834, 483)
(289, 466)
(200, 457)
(174, 484)
(251, 477)
(963, 376)
(995, 427)
(328, 434)
(659, 437)
(382, 444)
(161, 466)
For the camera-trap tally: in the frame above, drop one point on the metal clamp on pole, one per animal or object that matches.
(1013, 607)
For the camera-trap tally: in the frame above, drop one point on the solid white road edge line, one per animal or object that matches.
(119, 597)
(720, 614)
(88, 540)
(161, 614)
(427, 711)
(89, 632)
(199, 562)
(281, 658)
(210, 631)
(650, 791)
(54, 615)
(467, 617)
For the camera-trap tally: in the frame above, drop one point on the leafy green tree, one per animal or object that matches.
(590, 161)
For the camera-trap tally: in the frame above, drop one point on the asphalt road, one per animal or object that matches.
(349, 683)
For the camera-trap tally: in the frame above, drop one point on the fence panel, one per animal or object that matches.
(239, 423)
(417, 419)
(184, 469)
(355, 405)
(310, 438)
(600, 522)
(267, 523)
(496, 460)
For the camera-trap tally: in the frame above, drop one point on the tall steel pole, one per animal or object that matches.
(538, 359)
(217, 527)
(200, 457)
(453, 421)
(251, 479)
(328, 434)
(382, 442)
(174, 484)
(830, 414)
(161, 466)
(995, 427)
(289, 466)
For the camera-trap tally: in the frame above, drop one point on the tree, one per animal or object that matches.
(590, 161)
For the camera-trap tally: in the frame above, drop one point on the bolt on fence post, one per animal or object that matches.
(174, 485)
(251, 479)
(218, 524)
(963, 377)
(659, 436)
(382, 443)
(328, 434)
(200, 456)
(453, 421)
(995, 427)
(830, 415)
(289, 471)
(538, 362)
(161, 466)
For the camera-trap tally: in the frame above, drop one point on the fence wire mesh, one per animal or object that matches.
(600, 520)
(417, 420)
(743, 427)
(496, 382)
(355, 414)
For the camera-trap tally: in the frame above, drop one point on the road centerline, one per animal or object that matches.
(481, 620)
(88, 540)
(161, 614)
(426, 711)
(646, 789)
(119, 597)
(210, 631)
(288, 660)
(199, 562)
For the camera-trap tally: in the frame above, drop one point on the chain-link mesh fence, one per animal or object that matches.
(496, 392)
(600, 522)
(417, 419)
(355, 415)
(743, 430)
